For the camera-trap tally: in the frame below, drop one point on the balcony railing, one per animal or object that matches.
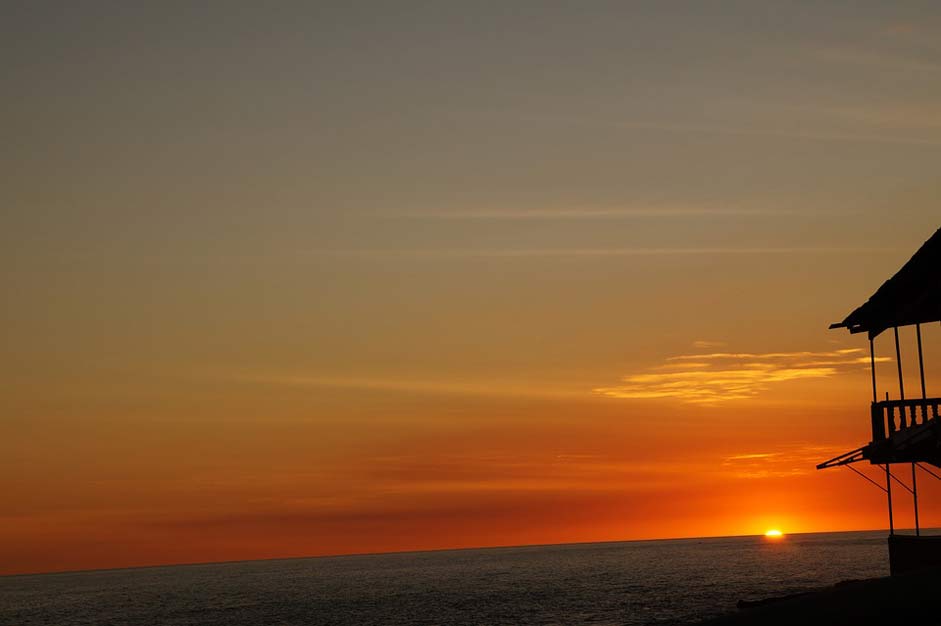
(892, 416)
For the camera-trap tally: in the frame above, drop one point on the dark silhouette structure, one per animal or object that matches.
(904, 430)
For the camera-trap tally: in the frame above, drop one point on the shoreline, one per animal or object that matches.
(910, 599)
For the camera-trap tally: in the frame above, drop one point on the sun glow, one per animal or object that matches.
(774, 533)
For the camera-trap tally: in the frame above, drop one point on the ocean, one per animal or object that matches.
(629, 583)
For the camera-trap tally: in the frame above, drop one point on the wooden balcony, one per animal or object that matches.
(895, 416)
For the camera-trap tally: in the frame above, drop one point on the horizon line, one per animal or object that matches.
(434, 550)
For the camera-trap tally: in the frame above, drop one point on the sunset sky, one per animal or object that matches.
(320, 278)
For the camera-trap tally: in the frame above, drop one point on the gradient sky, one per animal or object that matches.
(300, 279)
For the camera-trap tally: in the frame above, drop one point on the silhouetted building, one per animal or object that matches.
(904, 430)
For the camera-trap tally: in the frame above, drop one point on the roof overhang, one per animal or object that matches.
(912, 296)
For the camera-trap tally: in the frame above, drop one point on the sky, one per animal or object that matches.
(325, 278)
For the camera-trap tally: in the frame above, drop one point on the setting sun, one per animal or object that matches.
(773, 534)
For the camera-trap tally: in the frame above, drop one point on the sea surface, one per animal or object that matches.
(637, 582)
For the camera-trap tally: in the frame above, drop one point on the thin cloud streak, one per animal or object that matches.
(745, 457)
(872, 58)
(793, 459)
(780, 133)
(584, 213)
(766, 355)
(420, 386)
(712, 386)
(703, 343)
(585, 252)
(915, 118)
(740, 131)
(724, 376)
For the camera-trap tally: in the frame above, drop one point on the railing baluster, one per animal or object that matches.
(893, 416)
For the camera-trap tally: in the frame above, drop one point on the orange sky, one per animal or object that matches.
(259, 471)
(330, 280)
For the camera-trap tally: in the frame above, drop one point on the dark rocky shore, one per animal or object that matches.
(912, 599)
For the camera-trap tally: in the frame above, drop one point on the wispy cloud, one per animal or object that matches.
(783, 133)
(415, 385)
(767, 465)
(923, 117)
(874, 58)
(705, 344)
(723, 376)
(749, 457)
(584, 213)
(586, 252)
(918, 34)
(734, 130)
(791, 459)
(744, 356)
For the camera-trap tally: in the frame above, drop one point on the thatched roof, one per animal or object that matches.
(912, 296)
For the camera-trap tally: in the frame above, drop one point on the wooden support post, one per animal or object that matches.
(924, 418)
(915, 498)
(898, 360)
(921, 362)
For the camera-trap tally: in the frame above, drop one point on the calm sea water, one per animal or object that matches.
(650, 582)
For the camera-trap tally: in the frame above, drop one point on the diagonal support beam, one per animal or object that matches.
(928, 471)
(899, 481)
(878, 486)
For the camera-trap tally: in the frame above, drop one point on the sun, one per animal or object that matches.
(773, 533)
